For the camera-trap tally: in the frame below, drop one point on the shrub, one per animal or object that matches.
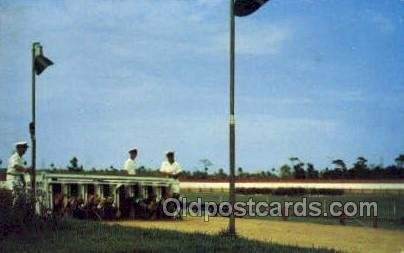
(6, 201)
(17, 211)
(18, 214)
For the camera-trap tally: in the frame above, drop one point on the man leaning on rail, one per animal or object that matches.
(130, 164)
(16, 170)
(172, 169)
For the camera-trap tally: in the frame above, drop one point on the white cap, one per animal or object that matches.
(134, 149)
(21, 143)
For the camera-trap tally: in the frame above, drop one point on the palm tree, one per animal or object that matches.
(294, 160)
(206, 164)
(339, 164)
(340, 168)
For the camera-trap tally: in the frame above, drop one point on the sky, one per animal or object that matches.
(315, 79)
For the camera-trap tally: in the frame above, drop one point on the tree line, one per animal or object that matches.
(297, 169)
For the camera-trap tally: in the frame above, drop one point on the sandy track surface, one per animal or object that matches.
(345, 238)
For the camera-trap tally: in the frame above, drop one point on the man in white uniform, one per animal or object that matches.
(16, 170)
(130, 164)
(172, 168)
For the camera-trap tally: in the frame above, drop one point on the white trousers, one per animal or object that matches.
(14, 181)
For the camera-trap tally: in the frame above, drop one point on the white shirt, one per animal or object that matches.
(15, 177)
(14, 160)
(170, 168)
(130, 166)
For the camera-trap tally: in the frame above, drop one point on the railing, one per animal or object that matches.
(78, 185)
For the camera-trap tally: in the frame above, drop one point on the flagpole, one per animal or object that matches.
(32, 125)
(232, 134)
(243, 8)
(39, 64)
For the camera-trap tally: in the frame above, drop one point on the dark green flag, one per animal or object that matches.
(41, 63)
(246, 7)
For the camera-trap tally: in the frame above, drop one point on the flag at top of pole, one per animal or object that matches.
(40, 61)
(246, 7)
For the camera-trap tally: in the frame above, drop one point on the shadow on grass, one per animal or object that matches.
(85, 236)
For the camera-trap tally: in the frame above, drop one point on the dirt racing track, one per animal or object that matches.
(346, 239)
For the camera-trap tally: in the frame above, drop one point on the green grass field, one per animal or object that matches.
(85, 236)
(194, 235)
(390, 207)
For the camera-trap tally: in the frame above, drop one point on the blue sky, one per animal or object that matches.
(315, 79)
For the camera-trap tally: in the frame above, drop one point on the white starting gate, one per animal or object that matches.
(84, 185)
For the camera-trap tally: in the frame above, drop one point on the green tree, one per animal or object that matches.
(360, 168)
(325, 173)
(186, 174)
(311, 171)
(298, 168)
(298, 171)
(206, 164)
(74, 165)
(340, 164)
(400, 161)
(294, 160)
(285, 171)
(340, 169)
(240, 172)
(112, 168)
(221, 174)
(361, 161)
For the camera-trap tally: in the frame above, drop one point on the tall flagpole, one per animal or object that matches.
(39, 64)
(32, 124)
(244, 8)
(232, 134)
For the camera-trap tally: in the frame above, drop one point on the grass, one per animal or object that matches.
(306, 235)
(390, 207)
(86, 236)
(194, 235)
